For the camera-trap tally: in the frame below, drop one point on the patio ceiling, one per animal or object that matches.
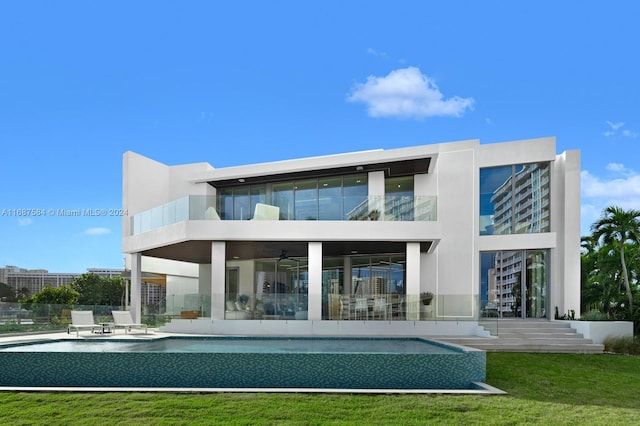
(200, 251)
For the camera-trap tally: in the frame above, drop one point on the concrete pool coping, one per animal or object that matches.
(153, 334)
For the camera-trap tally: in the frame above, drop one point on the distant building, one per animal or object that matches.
(34, 280)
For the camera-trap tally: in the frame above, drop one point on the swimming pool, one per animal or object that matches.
(244, 362)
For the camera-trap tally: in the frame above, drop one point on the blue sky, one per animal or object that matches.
(246, 82)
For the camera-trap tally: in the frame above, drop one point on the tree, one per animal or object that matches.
(602, 285)
(616, 227)
(7, 293)
(50, 301)
(96, 290)
(22, 293)
(63, 295)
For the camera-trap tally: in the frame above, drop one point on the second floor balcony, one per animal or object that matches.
(361, 208)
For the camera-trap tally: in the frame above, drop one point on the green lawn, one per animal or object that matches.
(543, 389)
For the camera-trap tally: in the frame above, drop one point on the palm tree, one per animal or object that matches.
(617, 227)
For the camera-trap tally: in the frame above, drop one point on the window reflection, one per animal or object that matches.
(364, 287)
(515, 199)
(398, 198)
(513, 284)
(306, 197)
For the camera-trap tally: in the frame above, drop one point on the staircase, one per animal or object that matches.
(515, 335)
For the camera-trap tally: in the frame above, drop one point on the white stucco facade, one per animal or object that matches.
(432, 235)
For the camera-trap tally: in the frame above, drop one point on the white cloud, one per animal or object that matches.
(614, 130)
(407, 93)
(614, 126)
(97, 231)
(621, 189)
(25, 221)
(617, 168)
(373, 52)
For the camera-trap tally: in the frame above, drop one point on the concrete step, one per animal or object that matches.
(552, 348)
(538, 333)
(533, 345)
(516, 335)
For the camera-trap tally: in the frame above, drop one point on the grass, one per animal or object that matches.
(545, 389)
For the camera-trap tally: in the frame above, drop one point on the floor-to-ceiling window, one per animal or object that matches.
(238, 203)
(306, 199)
(364, 287)
(399, 203)
(330, 198)
(514, 284)
(266, 280)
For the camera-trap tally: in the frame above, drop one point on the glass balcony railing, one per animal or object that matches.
(371, 208)
(335, 307)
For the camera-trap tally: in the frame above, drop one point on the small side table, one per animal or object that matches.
(106, 327)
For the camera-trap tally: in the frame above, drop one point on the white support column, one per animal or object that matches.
(571, 234)
(136, 279)
(218, 276)
(315, 281)
(413, 281)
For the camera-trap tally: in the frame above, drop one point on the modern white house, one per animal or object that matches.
(358, 243)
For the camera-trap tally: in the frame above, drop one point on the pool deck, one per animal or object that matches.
(482, 388)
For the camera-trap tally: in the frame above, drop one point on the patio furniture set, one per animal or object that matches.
(83, 320)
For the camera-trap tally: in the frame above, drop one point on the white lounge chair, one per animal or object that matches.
(123, 319)
(211, 214)
(266, 212)
(83, 320)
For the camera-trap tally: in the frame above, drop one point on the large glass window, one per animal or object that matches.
(241, 204)
(225, 203)
(514, 284)
(282, 288)
(399, 198)
(356, 191)
(306, 199)
(515, 199)
(282, 196)
(238, 203)
(364, 287)
(268, 287)
(330, 199)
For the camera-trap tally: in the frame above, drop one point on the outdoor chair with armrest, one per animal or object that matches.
(123, 319)
(83, 320)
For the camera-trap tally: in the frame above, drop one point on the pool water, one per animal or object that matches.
(244, 363)
(243, 345)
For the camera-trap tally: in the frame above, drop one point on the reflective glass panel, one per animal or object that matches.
(531, 198)
(241, 204)
(330, 199)
(306, 199)
(282, 196)
(536, 284)
(399, 198)
(495, 200)
(257, 194)
(225, 203)
(515, 199)
(355, 189)
(513, 284)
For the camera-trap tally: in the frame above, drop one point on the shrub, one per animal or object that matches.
(623, 345)
(595, 316)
